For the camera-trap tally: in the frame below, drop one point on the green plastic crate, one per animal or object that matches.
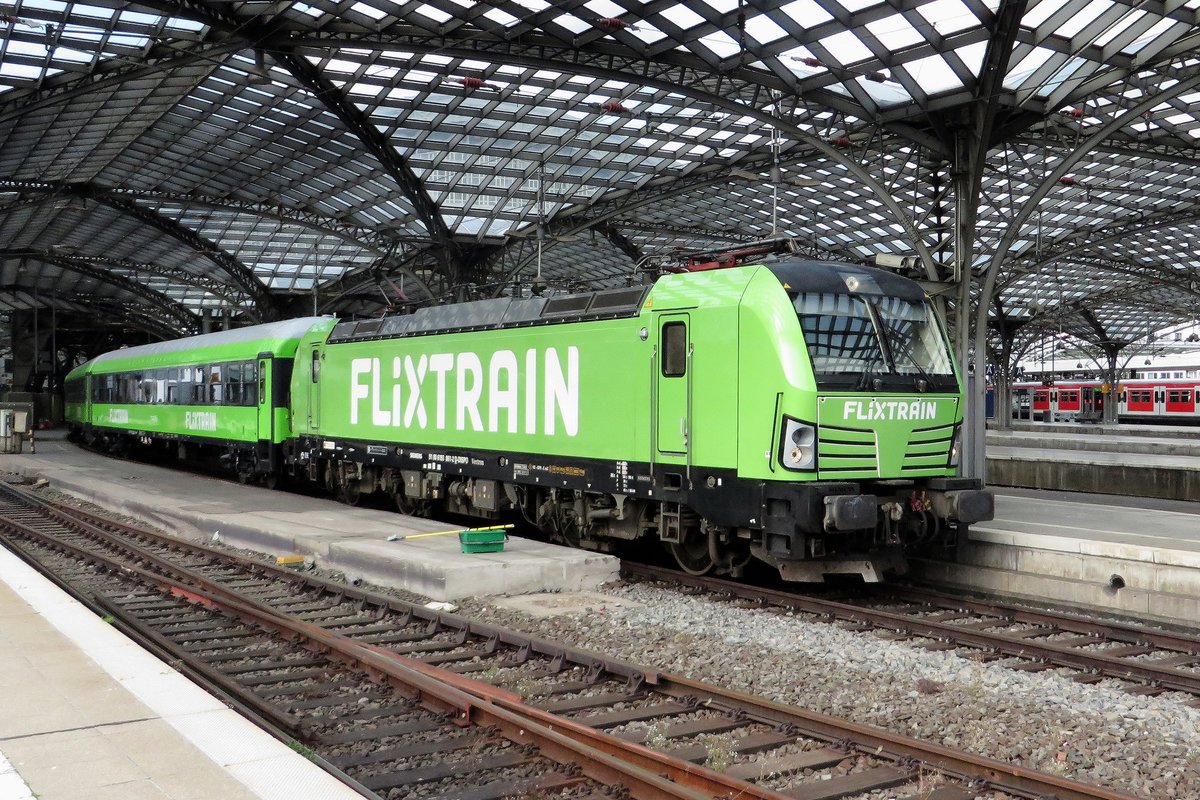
(482, 541)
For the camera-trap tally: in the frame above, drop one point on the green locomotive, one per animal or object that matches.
(803, 413)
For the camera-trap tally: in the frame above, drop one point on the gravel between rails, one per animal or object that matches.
(1148, 746)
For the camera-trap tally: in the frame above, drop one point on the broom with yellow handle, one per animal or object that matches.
(443, 533)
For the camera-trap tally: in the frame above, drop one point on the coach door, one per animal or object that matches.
(1179, 401)
(673, 381)
(266, 409)
(314, 387)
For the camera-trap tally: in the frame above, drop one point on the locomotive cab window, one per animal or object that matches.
(316, 366)
(674, 349)
(854, 339)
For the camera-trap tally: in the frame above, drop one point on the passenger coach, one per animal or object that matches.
(221, 395)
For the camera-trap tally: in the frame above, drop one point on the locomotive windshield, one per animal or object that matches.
(855, 339)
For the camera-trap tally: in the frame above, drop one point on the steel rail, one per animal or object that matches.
(636, 675)
(900, 748)
(248, 705)
(1059, 655)
(1065, 621)
(607, 759)
(1007, 777)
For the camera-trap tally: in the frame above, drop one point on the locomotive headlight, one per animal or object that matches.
(798, 449)
(955, 447)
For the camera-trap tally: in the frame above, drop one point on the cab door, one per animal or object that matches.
(314, 387)
(672, 376)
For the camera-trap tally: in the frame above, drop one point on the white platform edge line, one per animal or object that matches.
(187, 708)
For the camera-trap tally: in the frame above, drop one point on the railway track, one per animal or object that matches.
(1148, 661)
(406, 701)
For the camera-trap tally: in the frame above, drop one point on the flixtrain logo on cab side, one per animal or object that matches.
(534, 394)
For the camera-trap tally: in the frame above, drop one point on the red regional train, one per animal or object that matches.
(1150, 400)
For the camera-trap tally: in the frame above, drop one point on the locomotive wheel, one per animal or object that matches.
(692, 554)
(351, 494)
(405, 504)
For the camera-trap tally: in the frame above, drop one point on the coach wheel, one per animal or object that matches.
(271, 480)
(243, 477)
(692, 554)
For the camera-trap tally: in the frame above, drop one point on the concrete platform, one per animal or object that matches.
(86, 713)
(1130, 429)
(1060, 457)
(353, 540)
(1067, 548)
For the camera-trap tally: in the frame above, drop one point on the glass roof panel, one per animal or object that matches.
(477, 100)
(807, 13)
(895, 33)
(948, 16)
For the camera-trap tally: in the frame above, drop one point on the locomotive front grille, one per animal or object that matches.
(847, 452)
(928, 450)
(854, 453)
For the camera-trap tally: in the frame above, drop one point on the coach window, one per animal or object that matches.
(243, 372)
(233, 384)
(674, 349)
(187, 386)
(199, 385)
(215, 393)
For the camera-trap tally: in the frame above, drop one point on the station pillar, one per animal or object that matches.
(33, 363)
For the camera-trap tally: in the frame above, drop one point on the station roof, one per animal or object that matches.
(162, 159)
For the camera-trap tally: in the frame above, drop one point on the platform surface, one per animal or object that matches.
(1136, 557)
(86, 713)
(1169, 533)
(1119, 460)
(1055, 439)
(1125, 429)
(353, 540)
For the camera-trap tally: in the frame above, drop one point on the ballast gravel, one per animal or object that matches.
(1147, 746)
